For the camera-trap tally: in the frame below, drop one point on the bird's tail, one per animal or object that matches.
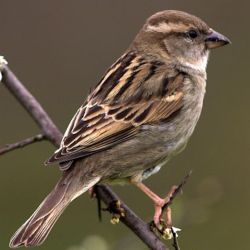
(36, 229)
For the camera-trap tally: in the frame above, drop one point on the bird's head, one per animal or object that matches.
(180, 38)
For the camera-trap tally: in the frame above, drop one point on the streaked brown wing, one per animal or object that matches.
(133, 92)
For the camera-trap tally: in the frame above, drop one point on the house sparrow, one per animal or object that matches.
(140, 114)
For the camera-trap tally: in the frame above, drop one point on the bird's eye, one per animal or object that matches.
(192, 34)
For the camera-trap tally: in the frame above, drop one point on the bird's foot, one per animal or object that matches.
(116, 210)
(163, 215)
(160, 204)
(162, 209)
(164, 230)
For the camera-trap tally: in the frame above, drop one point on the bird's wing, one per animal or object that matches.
(134, 91)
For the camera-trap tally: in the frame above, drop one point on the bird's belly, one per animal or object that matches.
(155, 144)
(145, 154)
(152, 148)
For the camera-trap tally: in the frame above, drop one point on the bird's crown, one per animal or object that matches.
(174, 21)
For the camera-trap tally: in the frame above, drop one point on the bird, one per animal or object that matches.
(140, 114)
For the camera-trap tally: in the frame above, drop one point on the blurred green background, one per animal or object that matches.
(59, 49)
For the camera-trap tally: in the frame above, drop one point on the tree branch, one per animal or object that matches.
(9, 147)
(52, 133)
(131, 220)
(32, 106)
(175, 241)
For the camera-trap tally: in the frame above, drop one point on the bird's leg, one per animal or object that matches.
(158, 203)
(92, 192)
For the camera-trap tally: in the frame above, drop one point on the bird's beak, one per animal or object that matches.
(215, 40)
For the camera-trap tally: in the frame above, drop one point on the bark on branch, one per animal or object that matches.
(32, 106)
(9, 147)
(52, 133)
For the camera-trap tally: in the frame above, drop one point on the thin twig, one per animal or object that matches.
(32, 106)
(176, 191)
(175, 241)
(9, 147)
(52, 133)
(99, 208)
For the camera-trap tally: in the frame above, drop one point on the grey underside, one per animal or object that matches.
(144, 155)
(149, 150)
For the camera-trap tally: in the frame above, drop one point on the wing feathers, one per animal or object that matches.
(133, 92)
(112, 77)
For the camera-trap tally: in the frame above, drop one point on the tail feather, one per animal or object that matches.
(36, 229)
(36, 233)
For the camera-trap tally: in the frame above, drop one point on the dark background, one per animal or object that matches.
(59, 49)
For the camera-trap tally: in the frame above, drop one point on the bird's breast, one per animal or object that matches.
(175, 132)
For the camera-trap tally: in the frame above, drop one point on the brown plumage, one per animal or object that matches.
(139, 115)
(117, 107)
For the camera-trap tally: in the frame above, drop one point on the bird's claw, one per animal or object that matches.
(164, 230)
(116, 210)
